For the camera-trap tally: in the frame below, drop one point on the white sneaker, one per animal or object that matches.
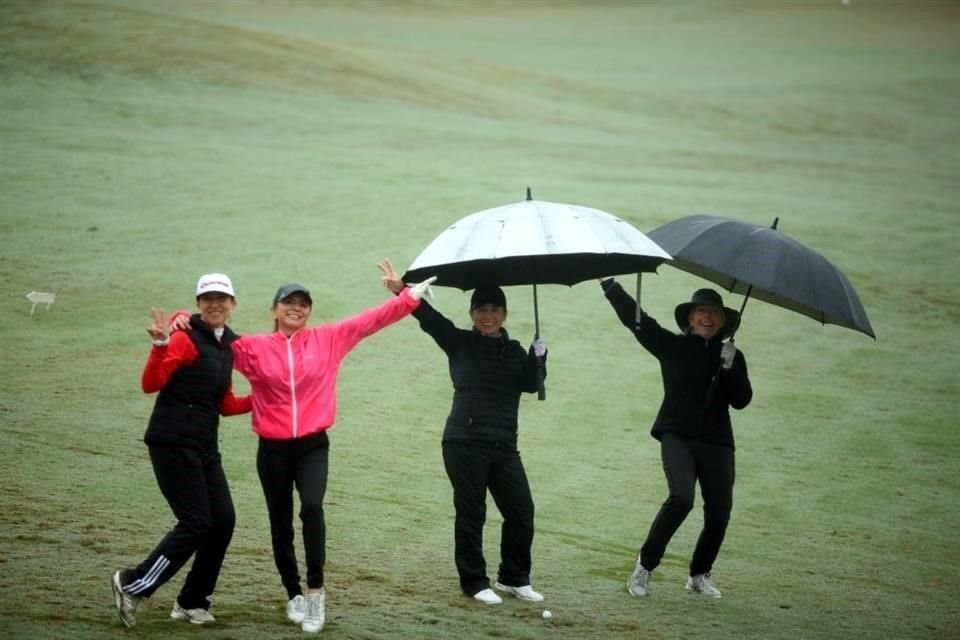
(126, 604)
(297, 609)
(194, 616)
(315, 614)
(525, 592)
(703, 585)
(638, 581)
(487, 596)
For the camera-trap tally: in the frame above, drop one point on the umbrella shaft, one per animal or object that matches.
(536, 315)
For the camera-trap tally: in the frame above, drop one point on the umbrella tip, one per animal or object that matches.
(529, 197)
(775, 221)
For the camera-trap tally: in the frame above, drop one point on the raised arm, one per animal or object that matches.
(432, 322)
(649, 333)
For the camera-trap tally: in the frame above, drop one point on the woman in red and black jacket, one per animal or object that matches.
(192, 372)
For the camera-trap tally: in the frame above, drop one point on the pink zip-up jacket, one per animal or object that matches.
(294, 380)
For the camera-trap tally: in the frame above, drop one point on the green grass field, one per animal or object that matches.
(144, 143)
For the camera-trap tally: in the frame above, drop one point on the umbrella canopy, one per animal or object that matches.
(535, 242)
(766, 264)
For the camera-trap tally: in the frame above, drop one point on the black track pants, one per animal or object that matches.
(196, 489)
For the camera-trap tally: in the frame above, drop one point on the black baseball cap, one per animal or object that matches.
(288, 290)
(488, 295)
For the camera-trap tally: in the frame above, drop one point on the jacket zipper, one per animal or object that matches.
(293, 386)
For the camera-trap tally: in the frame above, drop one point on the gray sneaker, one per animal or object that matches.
(638, 581)
(316, 612)
(125, 603)
(703, 585)
(297, 609)
(193, 616)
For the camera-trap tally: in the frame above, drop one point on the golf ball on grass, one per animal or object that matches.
(546, 614)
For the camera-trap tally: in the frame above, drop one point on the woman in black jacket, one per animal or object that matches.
(702, 378)
(489, 371)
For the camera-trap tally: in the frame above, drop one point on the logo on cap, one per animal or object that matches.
(215, 283)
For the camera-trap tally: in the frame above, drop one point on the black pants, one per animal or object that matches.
(283, 465)
(685, 462)
(473, 468)
(196, 489)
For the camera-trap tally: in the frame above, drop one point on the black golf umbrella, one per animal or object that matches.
(535, 242)
(763, 263)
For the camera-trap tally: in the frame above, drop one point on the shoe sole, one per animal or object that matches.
(637, 595)
(695, 592)
(118, 600)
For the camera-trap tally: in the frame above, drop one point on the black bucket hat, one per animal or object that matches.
(488, 295)
(288, 290)
(706, 297)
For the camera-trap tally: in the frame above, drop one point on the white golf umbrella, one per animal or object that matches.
(535, 242)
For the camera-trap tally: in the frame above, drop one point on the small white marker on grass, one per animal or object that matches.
(41, 297)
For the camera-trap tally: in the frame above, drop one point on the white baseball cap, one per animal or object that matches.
(215, 283)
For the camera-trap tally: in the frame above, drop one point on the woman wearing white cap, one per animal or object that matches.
(191, 370)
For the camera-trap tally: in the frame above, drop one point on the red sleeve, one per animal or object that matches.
(233, 405)
(163, 361)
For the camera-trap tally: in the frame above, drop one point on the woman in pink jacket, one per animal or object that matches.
(292, 374)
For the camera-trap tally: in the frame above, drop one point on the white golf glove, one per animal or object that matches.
(727, 353)
(539, 348)
(422, 289)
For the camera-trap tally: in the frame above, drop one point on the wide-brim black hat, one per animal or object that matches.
(711, 298)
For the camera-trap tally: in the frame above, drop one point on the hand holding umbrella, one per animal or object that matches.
(763, 263)
(727, 353)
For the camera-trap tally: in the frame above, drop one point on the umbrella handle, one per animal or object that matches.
(541, 391)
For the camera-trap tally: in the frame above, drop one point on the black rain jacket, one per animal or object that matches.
(688, 364)
(488, 375)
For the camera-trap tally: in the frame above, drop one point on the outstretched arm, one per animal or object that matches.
(352, 330)
(432, 322)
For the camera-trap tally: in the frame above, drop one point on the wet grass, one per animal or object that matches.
(144, 144)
